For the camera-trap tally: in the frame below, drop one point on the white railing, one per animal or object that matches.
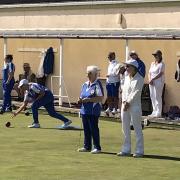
(61, 86)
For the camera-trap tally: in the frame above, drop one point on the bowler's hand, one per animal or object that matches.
(85, 100)
(151, 82)
(79, 101)
(126, 106)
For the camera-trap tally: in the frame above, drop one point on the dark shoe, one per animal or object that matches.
(9, 109)
(1, 111)
(132, 127)
(14, 107)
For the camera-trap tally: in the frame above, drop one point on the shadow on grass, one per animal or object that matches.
(108, 153)
(149, 156)
(161, 157)
(166, 127)
(67, 129)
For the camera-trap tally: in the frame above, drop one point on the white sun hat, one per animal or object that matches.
(23, 82)
(132, 62)
(93, 69)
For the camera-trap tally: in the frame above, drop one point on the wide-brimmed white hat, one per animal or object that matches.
(23, 82)
(132, 62)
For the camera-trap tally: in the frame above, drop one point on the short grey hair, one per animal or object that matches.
(92, 69)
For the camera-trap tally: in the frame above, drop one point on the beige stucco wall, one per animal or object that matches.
(90, 17)
(80, 53)
(30, 57)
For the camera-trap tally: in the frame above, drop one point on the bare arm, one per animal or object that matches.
(21, 108)
(10, 76)
(158, 76)
(149, 77)
(96, 99)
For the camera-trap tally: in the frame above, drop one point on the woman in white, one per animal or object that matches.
(156, 83)
(131, 109)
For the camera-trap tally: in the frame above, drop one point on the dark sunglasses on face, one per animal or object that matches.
(132, 55)
(156, 56)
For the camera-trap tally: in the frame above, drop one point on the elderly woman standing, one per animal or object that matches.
(91, 97)
(8, 83)
(131, 109)
(156, 83)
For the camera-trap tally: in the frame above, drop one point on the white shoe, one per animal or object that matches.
(118, 111)
(137, 155)
(146, 122)
(34, 125)
(95, 151)
(83, 150)
(107, 110)
(152, 114)
(157, 116)
(66, 124)
(123, 154)
(114, 111)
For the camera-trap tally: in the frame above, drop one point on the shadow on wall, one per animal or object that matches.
(122, 21)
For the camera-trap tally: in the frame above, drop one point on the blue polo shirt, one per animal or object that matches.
(8, 68)
(33, 92)
(141, 67)
(91, 90)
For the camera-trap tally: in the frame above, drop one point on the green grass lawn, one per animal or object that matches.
(50, 154)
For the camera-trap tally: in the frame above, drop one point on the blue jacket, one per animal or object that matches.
(141, 68)
(49, 61)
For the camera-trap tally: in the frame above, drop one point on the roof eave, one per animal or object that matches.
(163, 34)
(95, 3)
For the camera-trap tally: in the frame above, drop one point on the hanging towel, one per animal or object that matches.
(40, 72)
(48, 62)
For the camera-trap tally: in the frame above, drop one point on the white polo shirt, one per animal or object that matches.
(112, 72)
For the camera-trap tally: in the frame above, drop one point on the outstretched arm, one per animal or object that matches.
(20, 108)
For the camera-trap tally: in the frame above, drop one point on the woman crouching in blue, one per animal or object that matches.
(39, 96)
(91, 97)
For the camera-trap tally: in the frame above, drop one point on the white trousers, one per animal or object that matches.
(133, 115)
(156, 97)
